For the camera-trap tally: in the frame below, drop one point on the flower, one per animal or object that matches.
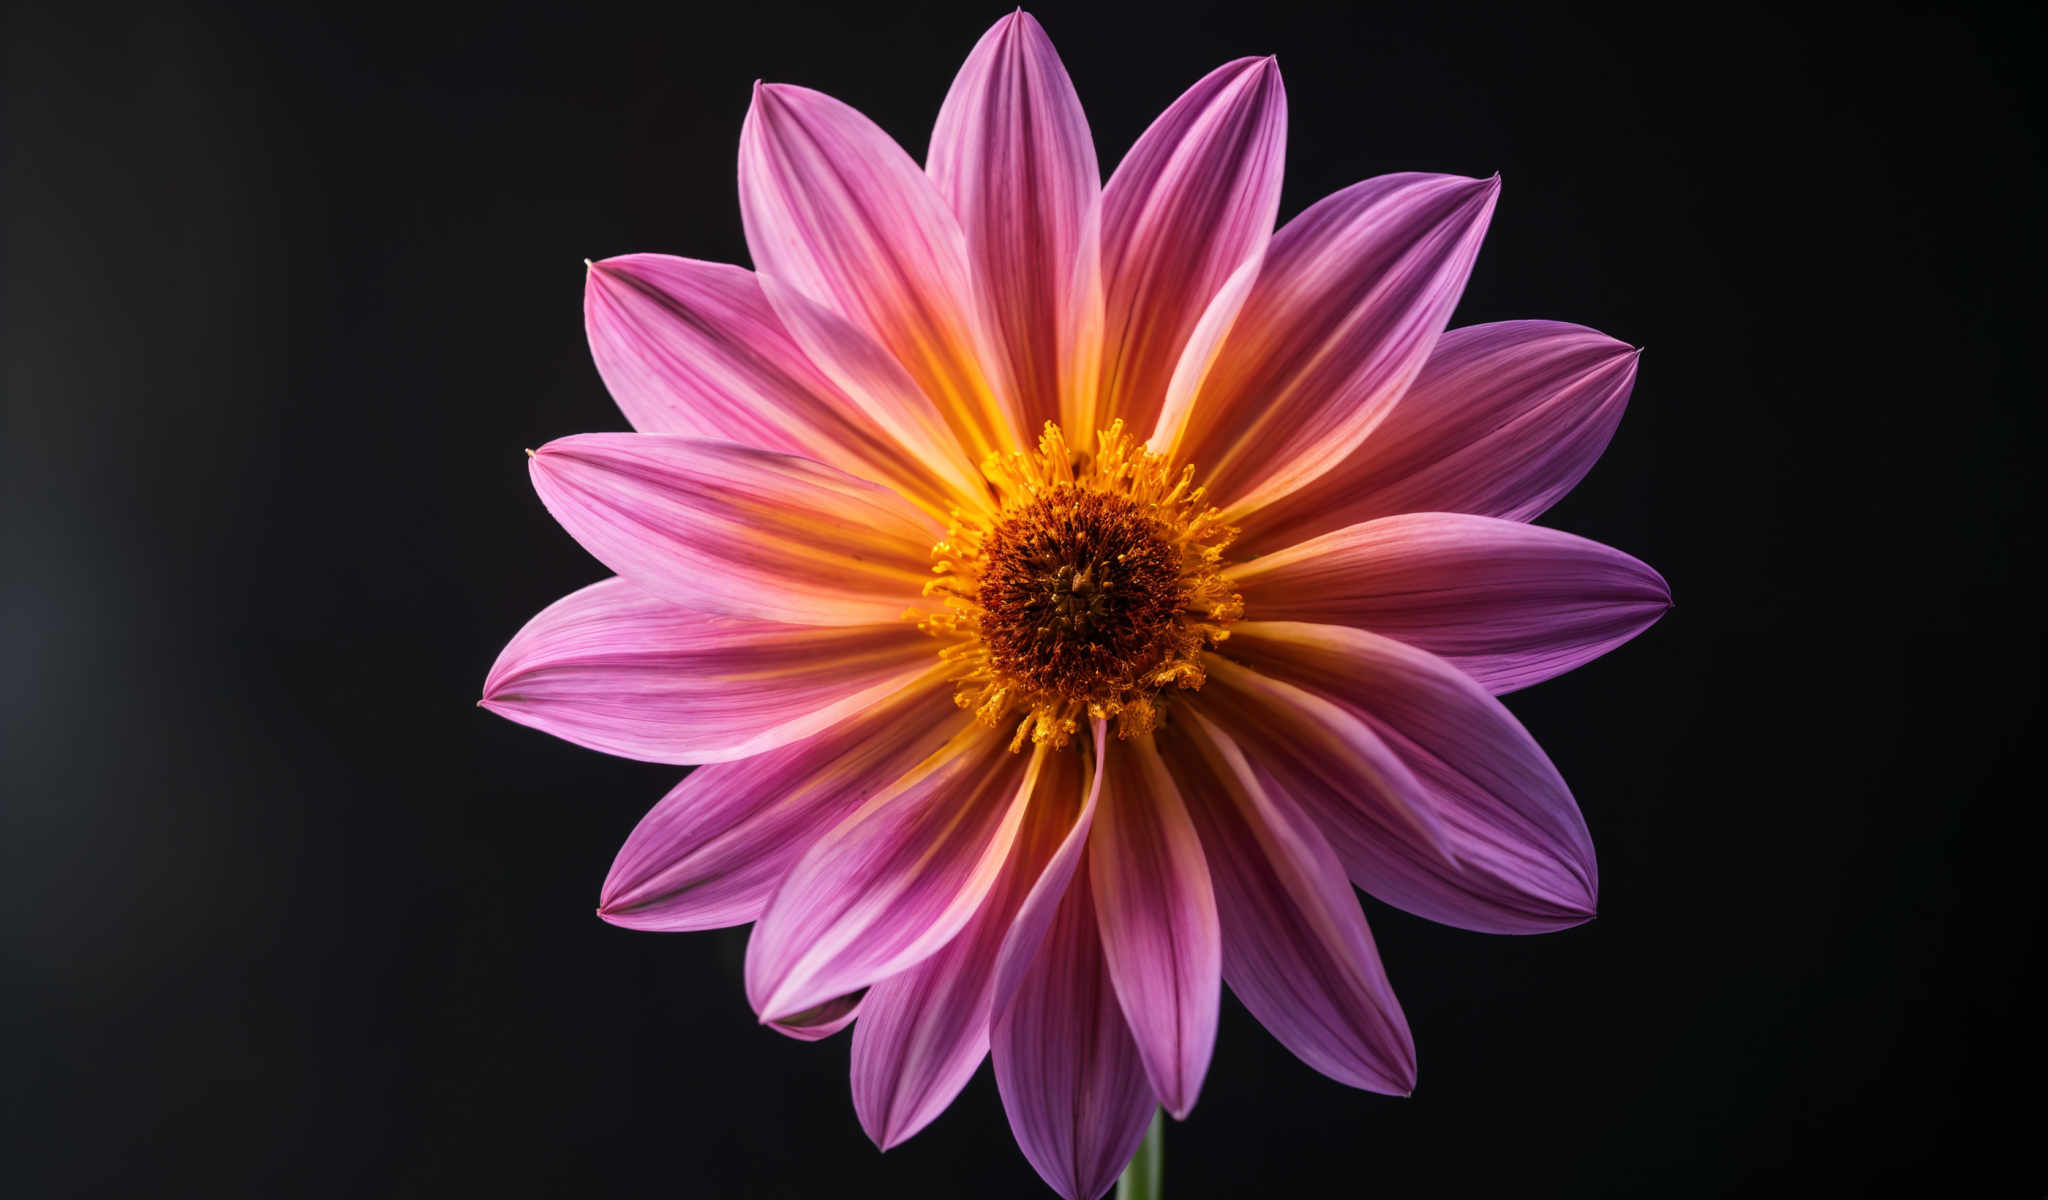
(1071, 591)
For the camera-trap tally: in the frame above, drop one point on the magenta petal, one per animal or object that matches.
(1507, 603)
(694, 348)
(615, 669)
(923, 1032)
(817, 1024)
(716, 847)
(1012, 155)
(1330, 761)
(1503, 420)
(1157, 917)
(836, 210)
(1524, 861)
(738, 532)
(1035, 916)
(1296, 949)
(1193, 201)
(897, 880)
(1071, 1079)
(1351, 300)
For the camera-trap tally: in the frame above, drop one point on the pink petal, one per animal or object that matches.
(1036, 914)
(1296, 949)
(1157, 917)
(1071, 1079)
(615, 669)
(1192, 201)
(926, 1030)
(1351, 299)
(738, 532)
(716, 847)
(1329, 761)
(1507, 603)
(1524, 861)
(878, 385)
(1503, 420)
(897, 880)
(693, 348)
(817, 1024)
(837, 210)
(1012, 155)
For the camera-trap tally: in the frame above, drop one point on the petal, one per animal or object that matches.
(615, 669)
(1296, 949)
(1192, 201)
(1071, 1079)
(716, 847)
(1507, 603)
(926, 1030)
(895, 881)
(1035, 916)
(1326, 759)
(1524, 861)
(835, 209)
(1013, 157)
(1157, 917)
(694, 348)
(1503, 420)
(1351, 299)
(739, 532)
(817, 1024)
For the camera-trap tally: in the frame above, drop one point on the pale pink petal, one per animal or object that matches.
(835, 209)
(1071, 1079)
(1012, 155)
(1157, 916)
(817, 1024)
(738, 532)
(1507, 603)
(716, 847)
(925, 1031)
(1296, 949)
(1082, 333)
(694, 348)
(897, 880)
(1193, 201)
(615, 669)
(1503, 420)
(1352, 297)
(1524, 861)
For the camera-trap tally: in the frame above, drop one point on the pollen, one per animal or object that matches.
(1095, 586)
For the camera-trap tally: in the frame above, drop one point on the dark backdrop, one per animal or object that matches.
(290, 288)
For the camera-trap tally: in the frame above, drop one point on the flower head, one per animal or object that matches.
(1072, 591)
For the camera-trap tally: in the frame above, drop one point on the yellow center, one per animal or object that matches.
(1097, 583)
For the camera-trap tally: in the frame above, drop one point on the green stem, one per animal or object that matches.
(1141, 1179)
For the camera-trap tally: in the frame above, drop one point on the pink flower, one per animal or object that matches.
(1017, 740)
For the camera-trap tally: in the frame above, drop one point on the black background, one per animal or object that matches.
(289, 289)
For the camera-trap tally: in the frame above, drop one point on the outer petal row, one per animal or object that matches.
(715, 848)
(1192, 202)
(616, 669)
(1350, 302)
(725, 529)
(1510, 604)
(1012, 155)
(693, 348)
(835, 210)
(1502, 421)
(1519, 858)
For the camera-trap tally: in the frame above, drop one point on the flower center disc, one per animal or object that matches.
(1081, 595)
(1096, 583)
